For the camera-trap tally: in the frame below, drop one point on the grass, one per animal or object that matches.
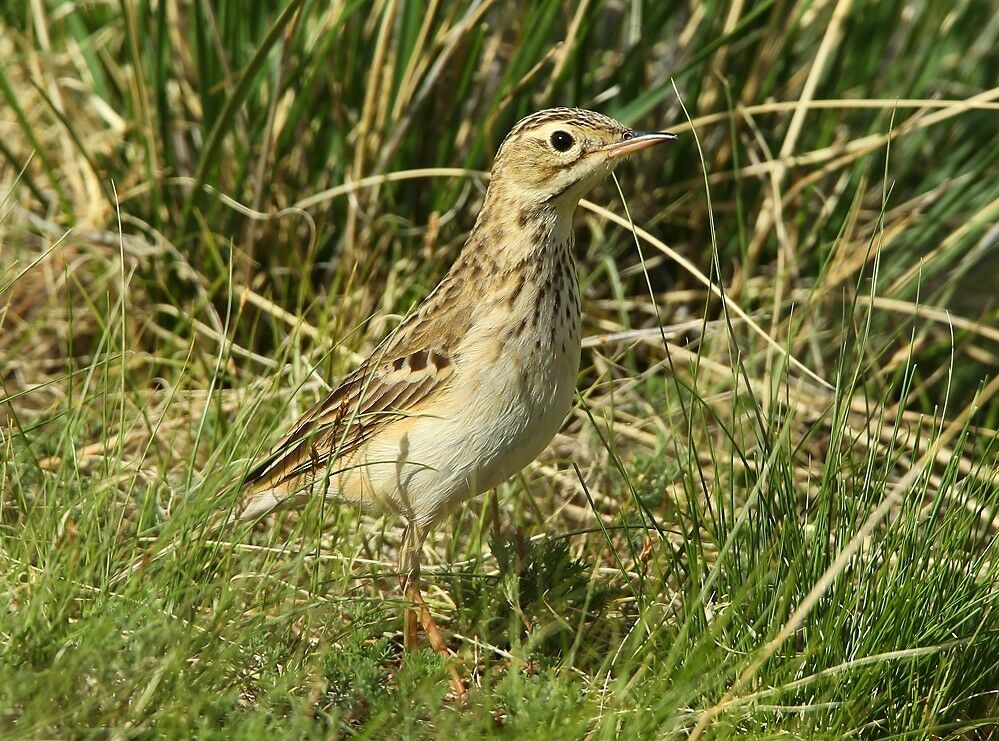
(772, 511)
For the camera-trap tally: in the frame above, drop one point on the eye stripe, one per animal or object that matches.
(573, 116)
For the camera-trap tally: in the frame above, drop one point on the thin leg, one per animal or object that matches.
(409, 567)
(434, 635)
(410, 628)
(409, 572)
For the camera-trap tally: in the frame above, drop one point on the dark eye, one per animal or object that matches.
(562, 141)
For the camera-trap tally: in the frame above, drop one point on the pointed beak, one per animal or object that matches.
(634, 141)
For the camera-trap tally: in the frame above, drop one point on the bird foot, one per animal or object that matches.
(420, 611)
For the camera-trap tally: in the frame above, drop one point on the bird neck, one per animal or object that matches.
(518, 258)
(512, 229)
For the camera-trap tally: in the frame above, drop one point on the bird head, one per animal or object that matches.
(554, 157)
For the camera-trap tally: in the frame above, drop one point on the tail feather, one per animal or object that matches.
(258, 504)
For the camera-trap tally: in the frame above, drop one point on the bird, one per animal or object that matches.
(476, 381)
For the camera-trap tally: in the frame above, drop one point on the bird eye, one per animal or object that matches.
(562, 141)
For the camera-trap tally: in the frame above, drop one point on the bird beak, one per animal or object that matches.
(634, 141)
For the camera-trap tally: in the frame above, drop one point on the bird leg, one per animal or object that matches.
(409, 573)
(434, 635)
(410, 627)
(417, 610)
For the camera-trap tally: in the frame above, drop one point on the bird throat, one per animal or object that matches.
(517, 266)
(538, 277)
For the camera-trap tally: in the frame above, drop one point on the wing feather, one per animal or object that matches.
(385, 388)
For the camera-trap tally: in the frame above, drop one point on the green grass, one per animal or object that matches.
(784, 528)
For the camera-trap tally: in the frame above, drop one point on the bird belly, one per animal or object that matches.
(480, 432)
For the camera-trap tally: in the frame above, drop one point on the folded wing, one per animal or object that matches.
(386, 387)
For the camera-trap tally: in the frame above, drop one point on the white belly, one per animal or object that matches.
(504, 408)
(521, 412)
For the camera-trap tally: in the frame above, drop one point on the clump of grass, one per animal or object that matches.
(773, 510)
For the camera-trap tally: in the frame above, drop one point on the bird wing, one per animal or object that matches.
(389, 385)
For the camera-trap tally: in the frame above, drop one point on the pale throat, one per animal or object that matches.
(522, 228)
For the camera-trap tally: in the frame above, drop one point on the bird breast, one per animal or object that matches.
(512, 386)
(527, 362)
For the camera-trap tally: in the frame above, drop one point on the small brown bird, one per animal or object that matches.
(474, 384)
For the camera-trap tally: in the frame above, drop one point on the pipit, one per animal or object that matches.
(475, 383)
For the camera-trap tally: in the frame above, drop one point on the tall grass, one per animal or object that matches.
(773, 510)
